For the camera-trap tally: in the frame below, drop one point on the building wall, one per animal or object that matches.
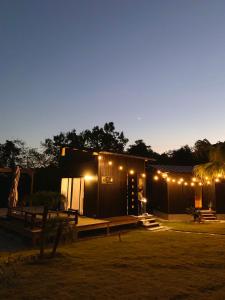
(157, 195)
(180, 198)
(103, 198)
(220, 197)
(113, 197)
(79, 164)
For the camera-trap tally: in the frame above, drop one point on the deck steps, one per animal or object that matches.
(149, 222)
(208, 216)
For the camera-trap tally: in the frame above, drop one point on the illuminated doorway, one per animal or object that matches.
(73, 190)
(198, 197)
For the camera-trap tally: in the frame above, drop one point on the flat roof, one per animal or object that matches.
(127, 155)
(114, 153)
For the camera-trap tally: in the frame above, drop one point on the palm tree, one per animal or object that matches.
(215, 168)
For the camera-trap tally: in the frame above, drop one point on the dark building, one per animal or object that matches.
(103, 184)
(173, 189)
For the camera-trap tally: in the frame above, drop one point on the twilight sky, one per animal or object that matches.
(154, 68)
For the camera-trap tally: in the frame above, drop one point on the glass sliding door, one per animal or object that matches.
(73, 190)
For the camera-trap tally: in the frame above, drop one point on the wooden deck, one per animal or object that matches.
(85, 224)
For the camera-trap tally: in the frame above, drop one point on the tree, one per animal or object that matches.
(182, 156)
(139, 148)
(12, 153)
(215, 167)
(201, 150)
(104, 138)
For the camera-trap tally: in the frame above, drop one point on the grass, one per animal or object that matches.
(145, 265)
(216, 228)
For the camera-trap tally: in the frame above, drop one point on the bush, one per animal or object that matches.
(52, 200)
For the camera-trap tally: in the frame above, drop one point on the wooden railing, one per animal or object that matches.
(35, 219)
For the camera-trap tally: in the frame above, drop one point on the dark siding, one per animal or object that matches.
(180, 197)
(208, 196)
(220, 197)
(157, 195)
(113, 197)
(90, 198)
(78, 163)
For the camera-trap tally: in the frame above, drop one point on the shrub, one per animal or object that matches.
(52, 200)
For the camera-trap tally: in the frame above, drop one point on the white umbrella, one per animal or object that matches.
(13, 195)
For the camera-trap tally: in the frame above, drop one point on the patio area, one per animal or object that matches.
(27, 223)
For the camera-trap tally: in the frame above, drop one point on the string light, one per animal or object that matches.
(193, 180)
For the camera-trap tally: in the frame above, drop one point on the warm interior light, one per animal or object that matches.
(186, 183)
(181, 179)
(144, 200)
(110, 163)
(88, 177)
(217, 180)
(156, 177)
(192, 184)
(143, 175)
(159, 172)
(131, 172)
(99, 157)
(120, 168)
(194, 179)
(173, 180)
(63, 151)
(168, 179)
(200, 184)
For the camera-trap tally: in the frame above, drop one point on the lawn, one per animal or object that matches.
(213, 228)
(144, 265)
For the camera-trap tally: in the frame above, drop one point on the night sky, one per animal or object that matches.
(154, 68)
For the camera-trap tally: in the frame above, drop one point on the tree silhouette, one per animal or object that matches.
(104, 138)
(141, 149)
